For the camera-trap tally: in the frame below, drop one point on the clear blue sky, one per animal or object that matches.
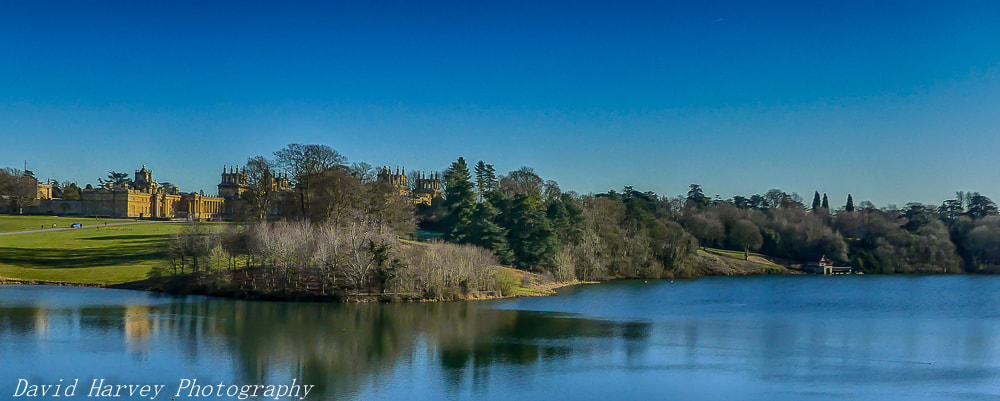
(890, 101)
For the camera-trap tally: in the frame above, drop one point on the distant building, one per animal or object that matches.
(425, 188)
(234, 185)
(825, 266)
(145, 198)
(43, 191)
(397, 180)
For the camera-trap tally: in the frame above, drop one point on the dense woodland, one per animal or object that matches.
(528, 222)
(339, 228)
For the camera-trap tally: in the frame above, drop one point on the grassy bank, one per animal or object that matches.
(10, 223)
(120, 255)
(124, 256)
(103, 255)
(721, 262)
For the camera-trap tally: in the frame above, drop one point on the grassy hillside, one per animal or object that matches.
(721, 262)
(104, 255)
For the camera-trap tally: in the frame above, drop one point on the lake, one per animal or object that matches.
(746, 338)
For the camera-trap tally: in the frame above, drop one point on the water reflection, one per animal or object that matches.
(715, 344)
(339, 348)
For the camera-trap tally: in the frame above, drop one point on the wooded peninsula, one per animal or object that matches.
(348, 231)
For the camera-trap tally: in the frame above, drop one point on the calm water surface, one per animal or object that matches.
(767, 338)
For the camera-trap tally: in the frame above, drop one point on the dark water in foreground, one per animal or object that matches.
(767, 338)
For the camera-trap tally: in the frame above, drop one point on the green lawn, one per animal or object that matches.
(105, 255)
(10, 223)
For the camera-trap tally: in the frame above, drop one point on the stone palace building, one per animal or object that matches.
(144, 198)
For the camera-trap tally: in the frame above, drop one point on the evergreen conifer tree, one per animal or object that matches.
(459, 201)
(486, 179)
(850, 204)
(480, 172)
(488, 233)
(532, 238)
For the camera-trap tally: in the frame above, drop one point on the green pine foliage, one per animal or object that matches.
(487, 232)
(531, 236)
(459, 202)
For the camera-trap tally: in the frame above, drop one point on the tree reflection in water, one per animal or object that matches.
(767, 338)
(340, 348)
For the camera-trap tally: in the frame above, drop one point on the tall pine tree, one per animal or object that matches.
(487, 232)
(850, 204)
(816, 203)
(459, 202)
(532, 238)
(486, 179)
(567, 219)
(826, 203)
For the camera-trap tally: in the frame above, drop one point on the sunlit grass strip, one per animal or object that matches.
(10, 223)
(106, 255)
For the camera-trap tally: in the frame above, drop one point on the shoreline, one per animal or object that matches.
(18, 281)
(538, 290)
(532, 285)
(162, 286)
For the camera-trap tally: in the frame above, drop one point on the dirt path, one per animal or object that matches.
(69, 228)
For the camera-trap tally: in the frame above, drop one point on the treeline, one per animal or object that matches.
(530, 223)
(319, 260)
(324, 189)
(348, 224)
(961, 234)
